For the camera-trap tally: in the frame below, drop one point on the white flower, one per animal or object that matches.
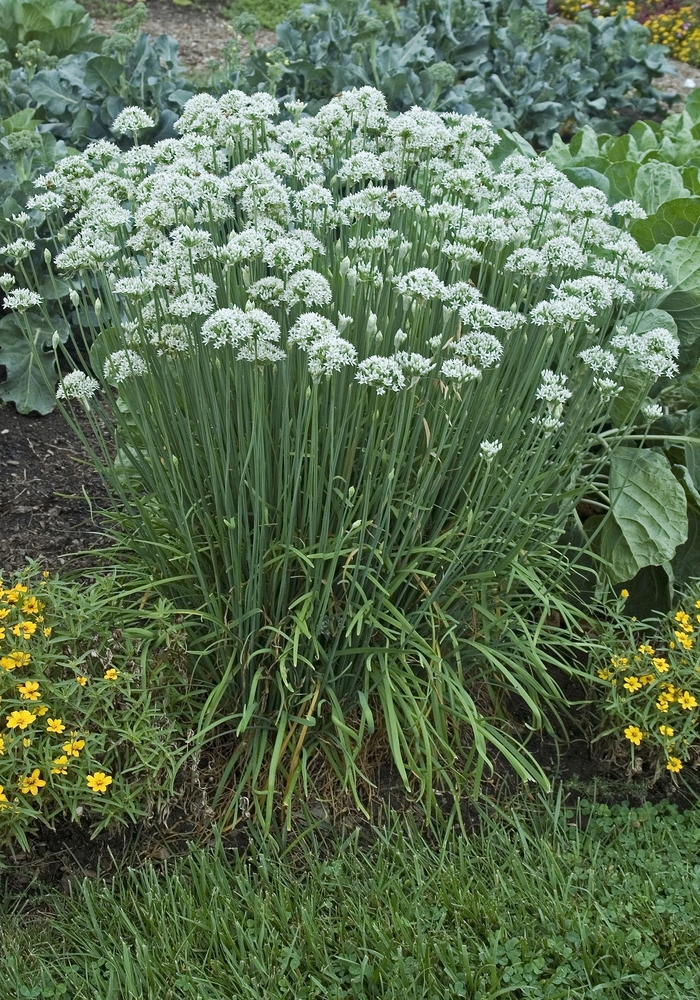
(122, 364)
(422, 282)
(132, 119)
(330, 354)
(308, 287)
(21, 299)
(18, 248)
(226, 327)
(608, 388)
(489, 449)
(599, 360)
(46, 202)
(361, 166)
(649, 281)
(553, 388)
(458, 371)
(654, 351)
(289, 252)
(381, 374)
(309, 328)
(267, 290)
(651, 411)
(629, 209)
(137, 286)
(77, 385)
(6, 281)
(483, 349)
(414, 365)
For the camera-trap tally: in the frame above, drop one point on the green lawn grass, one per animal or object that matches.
(601, 904)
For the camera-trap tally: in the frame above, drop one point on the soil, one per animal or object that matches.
(44, 475)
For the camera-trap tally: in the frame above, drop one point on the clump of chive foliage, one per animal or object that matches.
(354, 367)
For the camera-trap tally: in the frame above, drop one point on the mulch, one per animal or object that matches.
(45, 481)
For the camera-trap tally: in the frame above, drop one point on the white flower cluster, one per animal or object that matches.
(77, 385)
(257, 237)
(655, 351)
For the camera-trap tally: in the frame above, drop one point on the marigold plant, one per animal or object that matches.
(73, 740)
(652, 682)
(670, 22)
(354, 366)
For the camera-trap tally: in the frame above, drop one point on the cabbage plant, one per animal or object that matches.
(354, 376)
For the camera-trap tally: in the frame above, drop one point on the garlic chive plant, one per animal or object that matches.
(353, 372)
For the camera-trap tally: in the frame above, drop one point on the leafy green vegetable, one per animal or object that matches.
(499, 58)
(648, 517)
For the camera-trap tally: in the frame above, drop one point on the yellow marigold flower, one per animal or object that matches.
(3, 797)
(15, 659)
(625, 593)
(649, 650)
(31, 606)
(99, 781)
(33, 783)
(619, 661)
(29, 690)
(686, 642)
(41, 709)
(46, 575)
(674, 765)
(61, 765)
(73, 747)
(54, 726)
(20, 719)
(697, 604)
(605, 674)
(81, 680)
(2, 745)
(667, 730)
(26, 742)
(682, 616)
(2, 633)
(661, 664)
(634, 734)
(111, 674)
(47, 631)
(24, 630)
(632, 684)
(4, 612)
(647, 678)
(687, 700)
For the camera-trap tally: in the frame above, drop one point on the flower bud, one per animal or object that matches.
(74, 297)
(47, 255)
(55, 340)
(98, 307)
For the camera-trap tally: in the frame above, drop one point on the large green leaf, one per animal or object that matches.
(656, 183)
(649, 510)
(48, 90)
(104, 73)
(622, 178)
(587, 177)
(678, 217)
(28, 366)
(679, 260)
